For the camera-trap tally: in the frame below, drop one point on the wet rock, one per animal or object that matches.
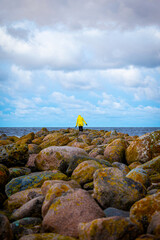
(32, 180)
(139, 175)
(154, 226)
(111, 212)
(85, 170)
(30, 209)
(14, 155)
(144, 148)
(18, 171)
(123, 167)
(46, 236)
(112, 189)
(115, 151)
(69, 210)
(4, 176)
(18, 199)
(142, 211)
(111, 228)
(53, 192)
(51, 157)
(26, 226)
(5, 229)
(48, 184)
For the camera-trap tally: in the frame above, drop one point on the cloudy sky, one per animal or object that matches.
(97, 58)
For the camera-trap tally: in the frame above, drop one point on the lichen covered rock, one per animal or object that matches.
(142, 211)
(144, 148)
(139, 175)
(5, 229)
(51, 157)
(46, 236)
(4, 176)
(111, 228)
(18, 171)
(32, 180)
(112, 189)
(54, 139)
(14, 155)
(69, 210)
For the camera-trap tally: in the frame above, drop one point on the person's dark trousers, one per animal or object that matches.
(80, 128)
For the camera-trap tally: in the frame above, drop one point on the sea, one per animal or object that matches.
(132, 131)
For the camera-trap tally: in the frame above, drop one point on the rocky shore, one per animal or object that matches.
(66, 185)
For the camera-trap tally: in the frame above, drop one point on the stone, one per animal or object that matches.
(46, 236)
(5, 229)
(142, 211)
(69, 210)
(121, 166)
(54, 139)
(50, 158)
(26, 226)
(144, 148)
(85, 170)
(19, 198)
(154, 225)
(153, 164)
(14, 155)
(111, 228)
(4, 176)
(115, 151)
(134, 165)
(34, 148)
(111, 212)
(139, 175)
(18, 171)
(30, 209)
(76, 160)
(97, 151)
(53, 192)
(48, 184)
(32, 180)
(147, 237)
(31, 162)
(26, 139)
(42, 133)
(112, 189)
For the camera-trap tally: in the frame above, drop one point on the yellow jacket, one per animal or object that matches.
(80, 121)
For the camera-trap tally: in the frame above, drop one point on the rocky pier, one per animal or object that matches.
(93, 185)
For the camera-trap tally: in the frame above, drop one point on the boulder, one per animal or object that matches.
(54, 139)
(112, 189)
(48, 184)
(42, 133)
(69, 210)
(153, 164)
(97, 151)
(139, 175)
(4, 176)
(54, 191)
(33, 180)
(18, 171)
(123, 167)
(144, 148)
(26, 226)
(14, 155)
(5, 229)
(115, 151)
(111, 228)
(51, 157)
(142, 211)
(154, 226)
(31, 162)
(34, 148)
(134, 165)
(30, 209)
(19, 198)
(46, 236)
(26, 139)
(111, 212)
(76, 160)
(85, 170)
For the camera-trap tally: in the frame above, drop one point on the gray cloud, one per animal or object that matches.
(82, 13)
